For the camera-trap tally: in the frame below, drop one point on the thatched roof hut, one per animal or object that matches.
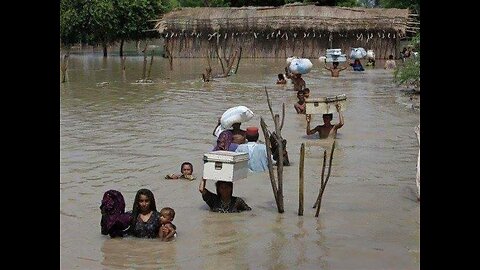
(301, 30)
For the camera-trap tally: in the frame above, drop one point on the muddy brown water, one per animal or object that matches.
(116, 134)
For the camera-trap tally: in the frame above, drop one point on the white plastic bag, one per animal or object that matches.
(238, 114)
(371, 54)
(358, 53)
(300, 66)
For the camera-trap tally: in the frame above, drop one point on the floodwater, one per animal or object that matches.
(116, 134)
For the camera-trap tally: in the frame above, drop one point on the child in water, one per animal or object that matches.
(281, 79)
(186, 172)
(167, 229)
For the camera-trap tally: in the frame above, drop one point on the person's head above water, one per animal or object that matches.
(390, 57)
(280, 76)
(335, 64)
(224, 189)
(306, 92)
(252, 134)
(167, 214)
(186, 168)
(236, 126)
(327, 118)
(144, 202)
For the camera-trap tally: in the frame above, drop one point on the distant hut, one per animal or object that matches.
(298, 29)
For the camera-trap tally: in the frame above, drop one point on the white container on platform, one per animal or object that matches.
(225, 166)
(336, 58)
(334, 52)
(325, 105)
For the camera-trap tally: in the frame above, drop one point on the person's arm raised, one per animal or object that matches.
(309, 132)
(340, 116)
(215, 129)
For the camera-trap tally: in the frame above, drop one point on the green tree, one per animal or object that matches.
(411, 4)
(72, 22)
(348, 3)
(409, 72)
(102, 23)
(133, 19)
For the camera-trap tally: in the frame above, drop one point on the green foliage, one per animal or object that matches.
(409, 72)
(348, 3)
(72, 21)
(241, 3)
(134, 18)
(101, 21)
(107, 21)
(411, 4)
(203, 3)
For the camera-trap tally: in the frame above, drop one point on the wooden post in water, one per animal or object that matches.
(417, 178)
(144, 73)
(65, 66)
(322, 188)
(150, 67)
(270, 162)
(122, 62)
(167, 47)
(278, 139)
(238, 62)
(300, 179)
(323, 174)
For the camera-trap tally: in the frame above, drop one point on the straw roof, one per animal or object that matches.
(287, 17)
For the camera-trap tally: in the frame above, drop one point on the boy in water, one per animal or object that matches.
(298, 82)
(306, 93)
(281, 79)
(186, 170)
(300, 105)
(167, 228)
(327, 130)
(390, 63)
(335, 71)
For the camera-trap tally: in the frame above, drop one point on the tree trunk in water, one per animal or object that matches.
(121, 47)
(65, 65)
(104, 50)
(150, 67)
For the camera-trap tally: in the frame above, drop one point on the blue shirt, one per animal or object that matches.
(257, 154)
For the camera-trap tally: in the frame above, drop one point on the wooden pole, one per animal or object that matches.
(65, 66)
(270, 162)
(417, 178)
(122, 61)
(238, 62)
(230, 64)
(283, 116)
(278, 137)
(150, 67)
(124, 76)
(269, 105)
(300, 179)
(322, 189)
(323, 174)
(144, 72)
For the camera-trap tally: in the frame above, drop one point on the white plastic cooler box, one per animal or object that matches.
(325, 105)
(225, 166)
